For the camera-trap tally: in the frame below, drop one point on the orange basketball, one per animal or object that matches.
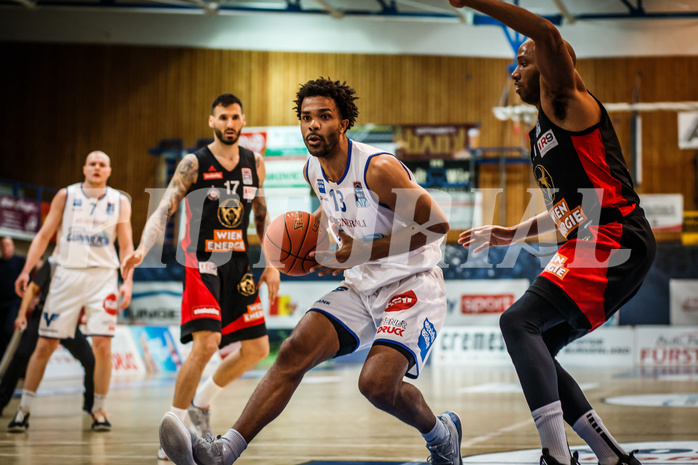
(289, 239)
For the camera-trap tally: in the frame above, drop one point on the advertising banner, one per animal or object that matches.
(155, 303)
(688, 129)
(125, 358)
(605, 347)
(481, 301)
(157, 348)
(470, 345)
(19, 217)
(664, 211)
(432, 141)
(663, 346)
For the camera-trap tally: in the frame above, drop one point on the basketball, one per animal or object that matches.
(289, 239)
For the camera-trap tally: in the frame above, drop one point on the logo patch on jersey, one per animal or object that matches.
(392, 326)
(427, 336)
(81, 236)
(226, 240)
(110, 208)
(246, 176)
(537, 128)
(208, 268)
(321, 186)
(401, 302)
(77, 202)
(246, 286)
(254, 312)
(213, 194)
(249, 192)
(230, 213)
(361, 200)
(546, 184)
(546, 142)
(207, 311)
(213, 175)
(556, 266)
(566, 220)
(110, 304)
(49, 317)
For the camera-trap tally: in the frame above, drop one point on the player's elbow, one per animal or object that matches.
(547, 33)
(441, 228)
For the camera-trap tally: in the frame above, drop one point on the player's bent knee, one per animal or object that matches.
(379, 394)
(298, 356)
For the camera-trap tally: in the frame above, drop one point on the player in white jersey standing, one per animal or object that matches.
(87, 217)
(392, 300)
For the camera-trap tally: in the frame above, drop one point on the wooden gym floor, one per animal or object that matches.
(329, 421)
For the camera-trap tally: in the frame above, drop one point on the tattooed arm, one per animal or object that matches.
(270, 275)
(183, 179)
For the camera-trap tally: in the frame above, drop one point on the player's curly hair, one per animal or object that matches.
(340, 92)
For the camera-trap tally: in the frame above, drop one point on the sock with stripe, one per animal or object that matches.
(590, 428)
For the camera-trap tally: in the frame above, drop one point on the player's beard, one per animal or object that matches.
(530, 93)
(225, 140)
(328, 145)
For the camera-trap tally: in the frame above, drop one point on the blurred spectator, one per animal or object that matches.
(10, 267)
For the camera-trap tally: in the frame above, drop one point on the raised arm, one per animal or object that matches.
(563, 95)
(552, 57)
(40, 241)
(184, 177)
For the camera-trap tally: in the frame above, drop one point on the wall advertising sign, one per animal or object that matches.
(19, 217)
(688, 129)
(432, 141)
(470, 345)
(157, 347)
(664, 211)
(605, 347)
(155, 303)
(125, 358)
(666, 346)
(481, 301)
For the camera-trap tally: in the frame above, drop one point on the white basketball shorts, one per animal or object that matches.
(96, 289)
(408, 314)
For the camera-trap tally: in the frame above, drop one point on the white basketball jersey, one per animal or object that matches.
(86, 235)
(352, 208)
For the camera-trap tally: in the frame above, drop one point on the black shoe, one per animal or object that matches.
(547, 459)
(629, 459)
(20, 423)
(100, 422)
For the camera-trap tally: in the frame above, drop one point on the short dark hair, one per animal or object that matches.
(225, 100)
(341, 93)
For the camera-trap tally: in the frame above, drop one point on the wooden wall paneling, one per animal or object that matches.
(63, 101)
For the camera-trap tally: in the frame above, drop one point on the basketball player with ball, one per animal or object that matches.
(221, 185)
(392, 300)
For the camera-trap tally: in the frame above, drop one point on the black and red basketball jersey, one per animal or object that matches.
(583, 175)
(218, 208)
